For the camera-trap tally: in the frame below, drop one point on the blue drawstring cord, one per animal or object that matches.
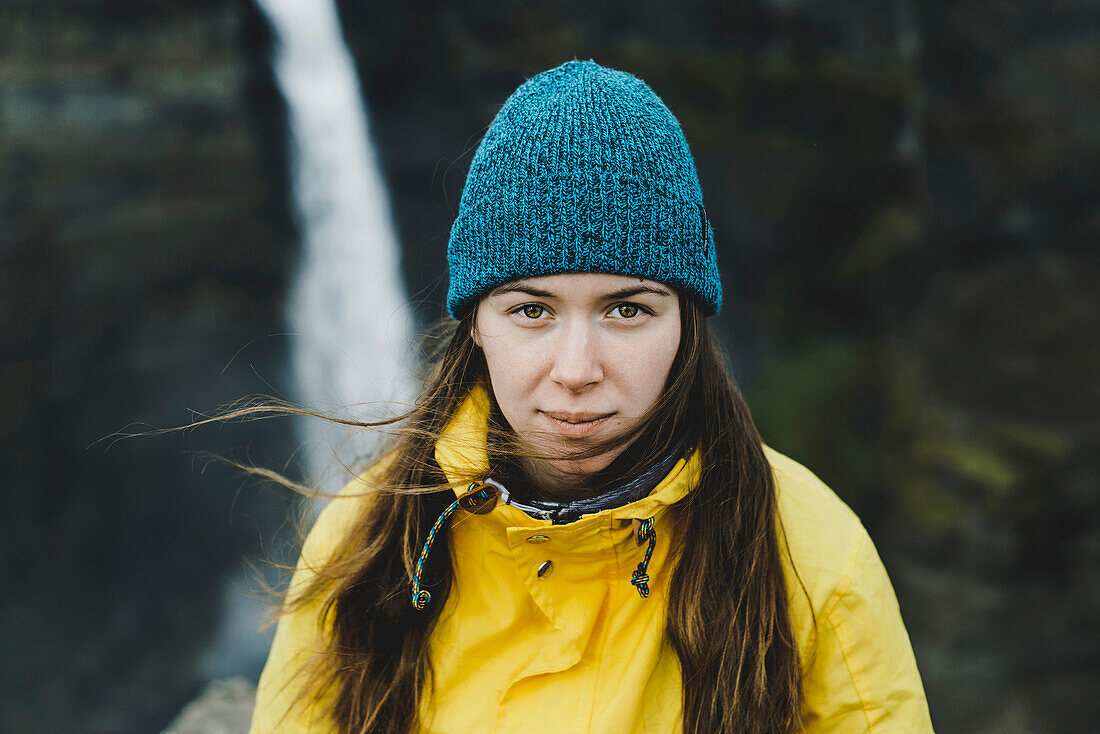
(475, 499)
(421, 597)
(640, 577)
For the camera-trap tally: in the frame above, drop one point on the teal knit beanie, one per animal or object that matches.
(584, 169)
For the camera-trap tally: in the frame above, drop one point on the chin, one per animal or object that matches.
(586, 466)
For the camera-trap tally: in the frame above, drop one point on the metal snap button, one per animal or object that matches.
(538, 539)
(545, 569)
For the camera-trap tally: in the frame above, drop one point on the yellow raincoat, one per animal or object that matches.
(579, 650)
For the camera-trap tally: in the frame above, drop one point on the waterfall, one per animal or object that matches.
(347, 309)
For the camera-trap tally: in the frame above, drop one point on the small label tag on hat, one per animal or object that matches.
(706, 225)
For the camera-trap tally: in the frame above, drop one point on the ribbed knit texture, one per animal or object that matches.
(584, 169)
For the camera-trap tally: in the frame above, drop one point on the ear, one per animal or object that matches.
(474, 335)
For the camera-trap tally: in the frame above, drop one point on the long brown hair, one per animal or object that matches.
(728, 617)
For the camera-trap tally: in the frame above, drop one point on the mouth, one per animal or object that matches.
(576, 425)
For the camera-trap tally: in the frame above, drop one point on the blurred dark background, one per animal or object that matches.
(905, 200)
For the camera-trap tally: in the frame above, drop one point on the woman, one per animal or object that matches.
(579, 528)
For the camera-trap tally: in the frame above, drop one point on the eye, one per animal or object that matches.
(530, 315)
(628, 310)
(532, 310)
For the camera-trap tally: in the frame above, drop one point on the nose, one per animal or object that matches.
(578, 362)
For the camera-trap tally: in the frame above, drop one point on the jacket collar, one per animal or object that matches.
(462, 454)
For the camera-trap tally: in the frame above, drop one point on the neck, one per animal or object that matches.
(616, 492)
(546, 482)
(536, 481)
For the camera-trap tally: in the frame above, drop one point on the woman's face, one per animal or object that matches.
(576, 357)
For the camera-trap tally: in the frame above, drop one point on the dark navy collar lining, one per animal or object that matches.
(561, 513)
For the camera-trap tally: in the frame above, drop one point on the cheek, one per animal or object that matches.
(644, 367)
(514, 369)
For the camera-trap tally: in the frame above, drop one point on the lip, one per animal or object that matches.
(576, 425)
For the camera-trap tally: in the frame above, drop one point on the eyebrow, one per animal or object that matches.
(628, 292)
(521, 288)
(635, 290)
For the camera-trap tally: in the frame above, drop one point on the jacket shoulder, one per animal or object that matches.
(859, 670)
(338, 515)
(301, 635)
(820, 536)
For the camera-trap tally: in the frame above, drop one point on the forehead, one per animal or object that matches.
(583, 286)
